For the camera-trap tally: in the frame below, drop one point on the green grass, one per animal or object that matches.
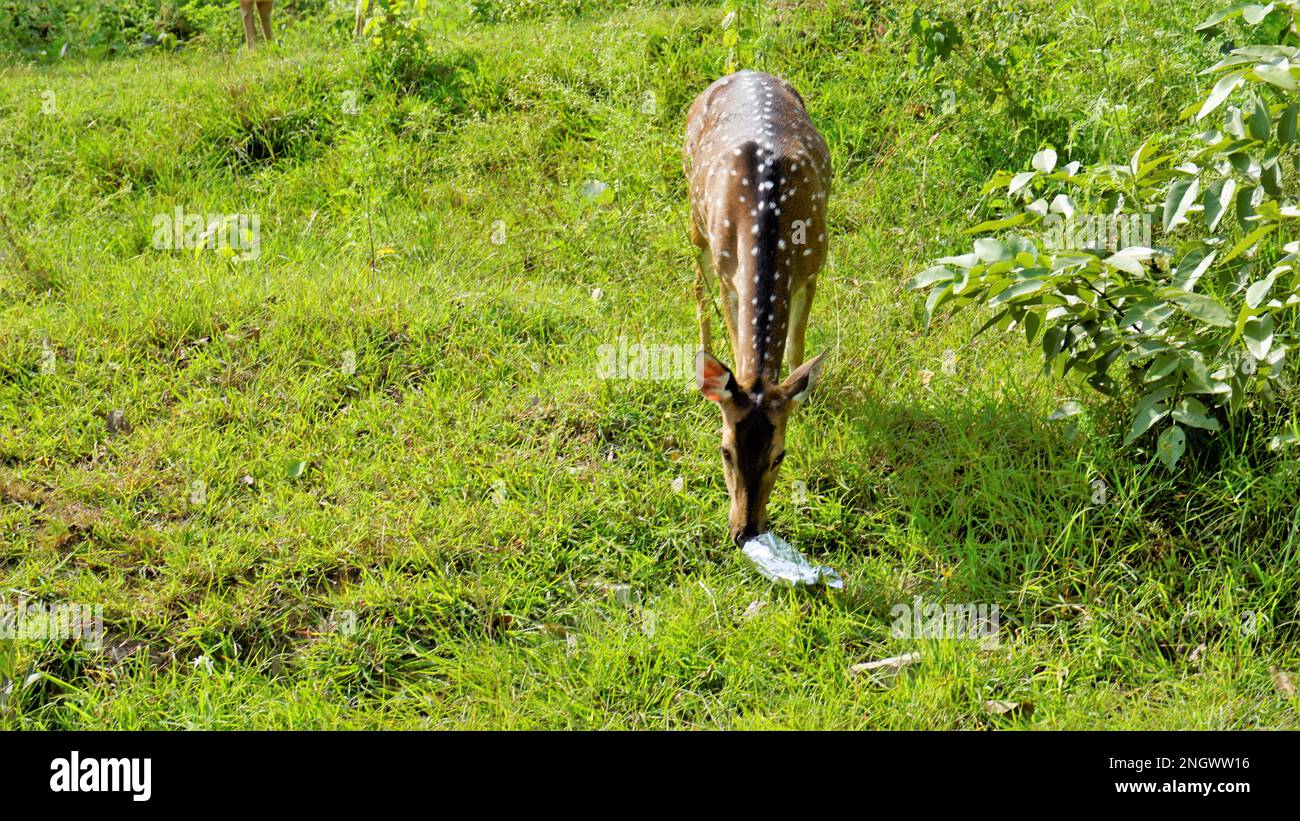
(473, 489)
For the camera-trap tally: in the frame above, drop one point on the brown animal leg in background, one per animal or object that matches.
(250, 25)
(264, 10)
(363, 11)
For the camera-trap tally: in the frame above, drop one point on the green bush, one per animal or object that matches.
(1179, 272)
(50, 29)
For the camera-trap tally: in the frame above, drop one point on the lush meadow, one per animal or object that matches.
(377, 477)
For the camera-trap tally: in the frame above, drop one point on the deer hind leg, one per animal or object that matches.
(800, 306)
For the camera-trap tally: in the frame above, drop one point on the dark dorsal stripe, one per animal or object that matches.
(765, 172)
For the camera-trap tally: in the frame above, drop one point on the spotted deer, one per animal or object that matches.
(758, 174)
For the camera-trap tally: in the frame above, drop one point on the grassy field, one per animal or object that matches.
(374, 477)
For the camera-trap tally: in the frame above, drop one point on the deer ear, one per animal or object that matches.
(713, 378)
(799, 384)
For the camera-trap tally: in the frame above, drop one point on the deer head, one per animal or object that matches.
(753, 434)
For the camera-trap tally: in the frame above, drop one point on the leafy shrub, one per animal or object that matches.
(506, 11)
(402, 38)
(44, 29)
(1173, 265)
(110, 28)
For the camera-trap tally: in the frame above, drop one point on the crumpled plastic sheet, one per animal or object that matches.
(778, 561)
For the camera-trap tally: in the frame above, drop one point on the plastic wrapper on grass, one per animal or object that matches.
(778, 561)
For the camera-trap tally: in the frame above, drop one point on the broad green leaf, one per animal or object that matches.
(1044, 161)
(1258, 335)
(1147, 415)
(1192, 412)
(1192, 268)
(963, 261)
(1226, 85)
(1032, 322)
(1170, 446)
(1258, 290)
(1020, 180)
(997, 224)
(1253, 13)
(1270, 177)
(1062, 204)
(1245, 164)
(932, 301)
(928, 277)
(1140, 156)
(1286, 125)
(990, 250)
(1180, 197)
(1260, 123)
(1276, 74)
(1129, 260)
(1053, 339)
(1205, 308)
(1162, 366)
(1221, 15)
(1017, 289)
(1246, 207)
(1216, 200)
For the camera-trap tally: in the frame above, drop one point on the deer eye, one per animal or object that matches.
(726, 455)
(776, 463)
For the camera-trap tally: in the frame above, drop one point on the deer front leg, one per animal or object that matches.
(703, 269)
(800, 305)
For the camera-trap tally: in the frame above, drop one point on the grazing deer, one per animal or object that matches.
(758, 173)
